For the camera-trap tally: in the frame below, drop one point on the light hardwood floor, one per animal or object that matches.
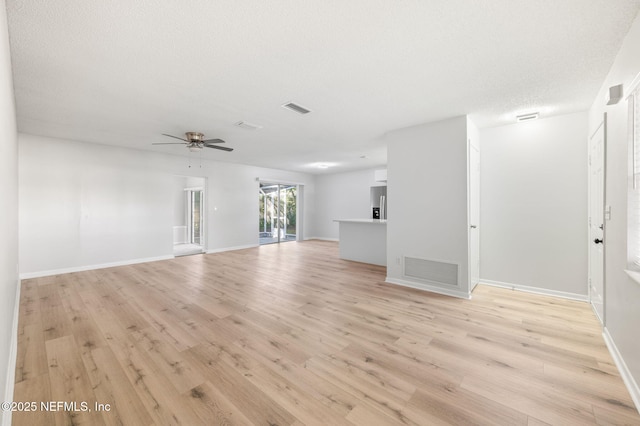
(290, 334)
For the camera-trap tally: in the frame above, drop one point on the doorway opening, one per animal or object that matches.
(189, 216)
(277, 217)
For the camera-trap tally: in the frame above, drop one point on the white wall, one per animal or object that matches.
(622, 294)
(8, 218)
(342, 196)
(83, 205)
(427, 188)
(179, 201)
(533, 214)
(473, 133)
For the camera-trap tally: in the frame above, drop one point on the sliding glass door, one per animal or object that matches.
(278, 212)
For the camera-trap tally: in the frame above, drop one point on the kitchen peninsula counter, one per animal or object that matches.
(363, 240)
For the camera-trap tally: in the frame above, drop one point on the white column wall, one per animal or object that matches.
(427, 189)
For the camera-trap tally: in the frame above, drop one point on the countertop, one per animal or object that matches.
(372, 221)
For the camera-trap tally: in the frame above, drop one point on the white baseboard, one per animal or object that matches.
(322, 239)
(537, 290)
(39, 274)
(427, 287)
(595, 312)
(629, 381)
(220, 250)
(13, 354)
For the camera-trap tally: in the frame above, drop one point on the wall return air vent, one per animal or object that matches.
(432, 271)
(296, 108)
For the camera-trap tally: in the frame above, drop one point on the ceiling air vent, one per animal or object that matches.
(527, 117)
(248, 126)
(296, 108)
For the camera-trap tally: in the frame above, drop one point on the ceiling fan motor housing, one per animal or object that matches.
(194, 136)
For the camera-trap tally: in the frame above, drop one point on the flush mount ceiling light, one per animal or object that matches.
(296, 108)
(248, 126)
(528, 117)
(321, 165)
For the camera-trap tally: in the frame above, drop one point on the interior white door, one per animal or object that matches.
(596, 220)
(474, 216)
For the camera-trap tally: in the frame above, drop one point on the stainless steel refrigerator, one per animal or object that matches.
(379, 202)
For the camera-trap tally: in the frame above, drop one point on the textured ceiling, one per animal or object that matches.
(124, 72)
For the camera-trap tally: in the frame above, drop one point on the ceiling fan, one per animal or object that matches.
(195, 142)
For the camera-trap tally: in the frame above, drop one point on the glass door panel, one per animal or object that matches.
(268, 216)
(277, 213)
(196, 218)
(288, 195)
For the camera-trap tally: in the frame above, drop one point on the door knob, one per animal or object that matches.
(473, 226)
(597, 241)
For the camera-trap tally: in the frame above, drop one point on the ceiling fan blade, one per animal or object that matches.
(175, 137)
(168, 143)
(222, 148)
(209, 141)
